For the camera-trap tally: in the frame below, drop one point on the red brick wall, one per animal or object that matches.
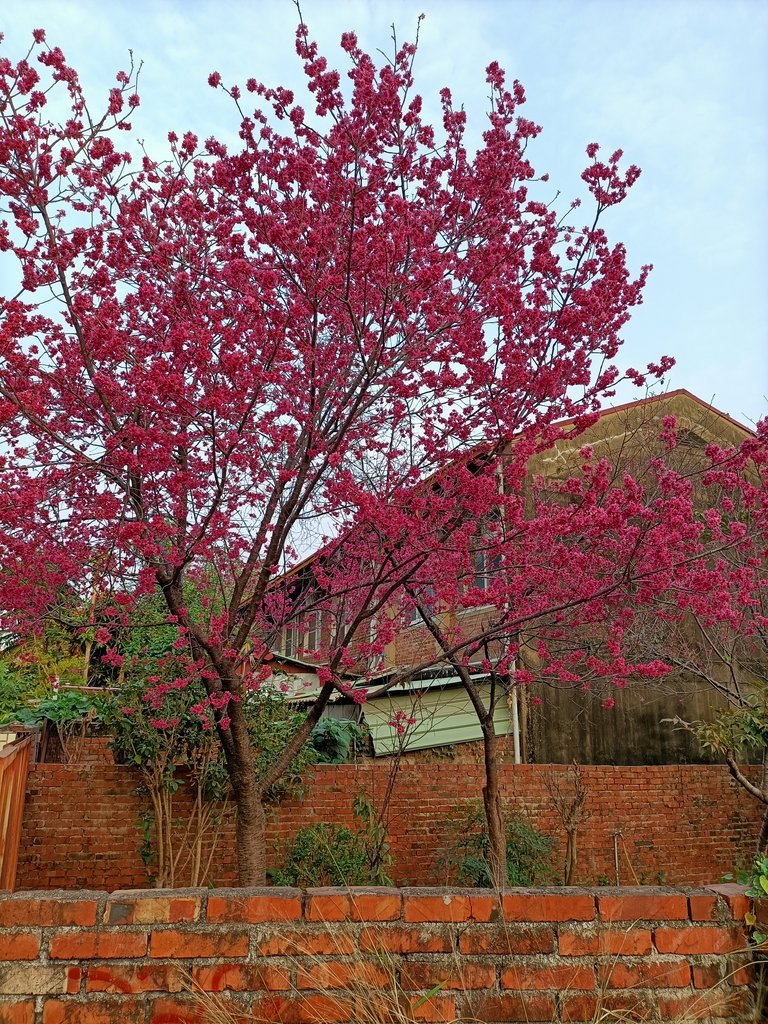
(167, 957)
(686, 824)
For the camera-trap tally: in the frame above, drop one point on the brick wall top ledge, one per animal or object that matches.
(47, 908)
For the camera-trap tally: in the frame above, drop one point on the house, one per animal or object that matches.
(426, 705)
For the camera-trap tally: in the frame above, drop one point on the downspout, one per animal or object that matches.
(513, 701)
(515, 722)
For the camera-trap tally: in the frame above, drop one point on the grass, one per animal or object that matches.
(372, 993)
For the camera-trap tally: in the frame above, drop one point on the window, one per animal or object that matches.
(302, 638)
(425, 596)
(485, 562)
(313, 632)
(290, 640)
(375, 661)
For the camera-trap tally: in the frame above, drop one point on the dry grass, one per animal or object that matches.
(358, 1002)
(372, 994)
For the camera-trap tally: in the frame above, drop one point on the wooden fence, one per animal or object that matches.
(14, 765)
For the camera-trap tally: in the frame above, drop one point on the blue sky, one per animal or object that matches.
(681, 87)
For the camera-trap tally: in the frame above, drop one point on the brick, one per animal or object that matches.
(580, 1007)
(438, 1008)
(308, 1009)
(114, 1011)
(101, 945)
(490, 1009)
(20, 947)
(327, 905)
(32, 980)
(711, 975)
(448, 906)
(642, 905)
(246, 907)
(524, 905)
(305, 943)
(455, 974)
(74, 974)
(86, 838)
(19, 1011)
(732, 895)
(177, 1011)
(406, 940)
(646, 974)
(181, 945)
(149, 908)
(703, 906)
(200, 1010)
(379, 1005)
(561, 978)
(699, 1007)
(627, 942)
(377, 905)
(622, 1007)
(331, 974)
(241, 978)
(690, 941)
(21, 909)
(506, 940)
(141, 978)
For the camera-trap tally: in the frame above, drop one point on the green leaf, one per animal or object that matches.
(428, 995)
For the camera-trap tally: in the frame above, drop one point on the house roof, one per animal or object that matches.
(668, 397)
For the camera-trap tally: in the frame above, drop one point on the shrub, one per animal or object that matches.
(327, 854)
(528, 852)
(324, 855)
(335, 741)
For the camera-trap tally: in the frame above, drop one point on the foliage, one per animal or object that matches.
(64, 708)
(70, 714)
(375, 838)
(29, 666)
(528, 852)
(271, 723)
(323, 854)
(18, 687)
(756, 882)
(738, 729)
(175, 749)
(176, 737)
(328, 854)
(336, 741)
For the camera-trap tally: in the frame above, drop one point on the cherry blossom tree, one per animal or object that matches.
(554, 583)
(335, 325)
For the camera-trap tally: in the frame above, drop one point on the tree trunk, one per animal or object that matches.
(251, 836)
(762, 839)
(251, 820)
(570, 856)
(494, 815)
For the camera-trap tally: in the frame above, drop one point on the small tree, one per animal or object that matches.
(211, 350)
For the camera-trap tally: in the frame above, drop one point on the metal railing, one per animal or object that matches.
(14, 766)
